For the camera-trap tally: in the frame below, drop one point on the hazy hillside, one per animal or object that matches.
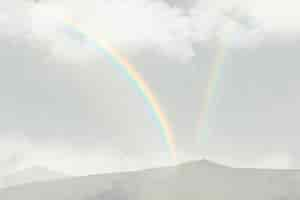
(193, 180)
(30, 175)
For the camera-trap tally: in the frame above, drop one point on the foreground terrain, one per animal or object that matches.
(189, 181)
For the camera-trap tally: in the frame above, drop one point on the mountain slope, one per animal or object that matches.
(30, 175)
(194, 180)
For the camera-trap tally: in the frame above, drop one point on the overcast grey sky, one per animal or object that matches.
(62, 104)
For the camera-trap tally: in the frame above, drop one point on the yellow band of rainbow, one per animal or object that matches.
(122, 64)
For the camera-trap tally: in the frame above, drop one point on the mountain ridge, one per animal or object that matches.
(191, 180)
(30, 175)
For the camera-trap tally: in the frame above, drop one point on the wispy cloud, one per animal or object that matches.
(14, 149)
(131, 25)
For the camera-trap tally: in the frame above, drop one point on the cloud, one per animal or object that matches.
(277, 16)
(14, 19)
(14, 150)
(275, 161)
(130, 25)
(10, 163)
(228, 23)
(135, 25)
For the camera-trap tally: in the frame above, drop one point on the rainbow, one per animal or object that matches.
(122, 64)
(212, 84)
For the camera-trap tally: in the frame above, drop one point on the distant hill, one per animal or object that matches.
(189, 181)
(30, 175)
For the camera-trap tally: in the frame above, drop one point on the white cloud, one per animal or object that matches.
(226, 22)
(48, 26)
(277, 16)
(275, 161)
(13, 16)
(130, 25)
(13, 151)
(274, 16)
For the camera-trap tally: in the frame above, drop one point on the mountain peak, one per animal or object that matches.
(204, 163)
(208, 162)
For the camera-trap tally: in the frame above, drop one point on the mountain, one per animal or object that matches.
(30, 175)
(188, 181)
(186, 4)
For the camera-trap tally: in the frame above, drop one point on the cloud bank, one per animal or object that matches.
(131, 25)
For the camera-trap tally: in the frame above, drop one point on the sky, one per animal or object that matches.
(225, 74)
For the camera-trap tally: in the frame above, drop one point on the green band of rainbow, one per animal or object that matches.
(125, 67)
(212, 85)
